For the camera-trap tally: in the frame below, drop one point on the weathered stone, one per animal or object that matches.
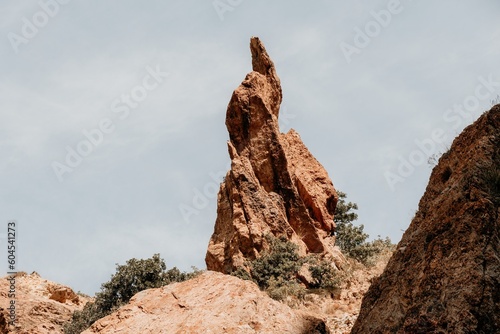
(275, 185)
(444, 276)
(63, 294)
(42, 306)
(210, 303)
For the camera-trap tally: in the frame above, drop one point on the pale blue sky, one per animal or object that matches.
(358, 118)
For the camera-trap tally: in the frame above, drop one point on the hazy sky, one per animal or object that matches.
(112, 114)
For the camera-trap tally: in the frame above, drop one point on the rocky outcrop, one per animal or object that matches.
(444, 276)
(42, 306)
(275, 185)
(210, 303)
(341, 308)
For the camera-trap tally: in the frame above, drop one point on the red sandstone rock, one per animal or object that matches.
(42, 306)
(444, 276)
(210, 303)
(275, 185)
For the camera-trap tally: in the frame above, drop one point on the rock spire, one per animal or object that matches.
(275, 185)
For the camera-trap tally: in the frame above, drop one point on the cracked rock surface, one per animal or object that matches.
(275, 185)
(444, 276)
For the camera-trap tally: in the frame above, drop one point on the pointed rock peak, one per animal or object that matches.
(261, 62)
(275, 185)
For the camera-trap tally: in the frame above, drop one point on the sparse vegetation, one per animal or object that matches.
(280, 289)
(433, 159)
(136, 275)
(276, 270)
(281, 262)
(351, 239)
(325, 275)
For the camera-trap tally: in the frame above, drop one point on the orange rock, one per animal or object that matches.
(210, 303)
(444, 276)
(42, 306)
(275, 185)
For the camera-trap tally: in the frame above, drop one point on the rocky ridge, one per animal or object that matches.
(211, 303)
(444, 276)
(275, 185)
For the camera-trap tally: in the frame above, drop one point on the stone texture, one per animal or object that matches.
(275, 185)
(210, 303)
(341, 307)
(444, 276)
(42, 306)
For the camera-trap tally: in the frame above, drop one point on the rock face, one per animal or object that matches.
(444, 276)
(210, 303)
(42, 306)
(275, 185)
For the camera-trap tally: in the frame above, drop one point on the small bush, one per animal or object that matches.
(281, 261)
(81, 320)
(351, 239)
(276, 271)
(242, 273)
(280, 289)
(325, 275)
(129, 279)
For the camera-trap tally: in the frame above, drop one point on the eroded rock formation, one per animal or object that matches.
(42, 306)
(275, 185)
(444, 276)
(209, 303)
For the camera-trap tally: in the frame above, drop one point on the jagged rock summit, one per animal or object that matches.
(275, 185)
(444, 276)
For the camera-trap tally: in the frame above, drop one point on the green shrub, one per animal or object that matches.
(325, 275)
(351, 239)
(136, 275)
(242, 273)
(281, 261)
(276, 270)
(81, 320)
(280, 289)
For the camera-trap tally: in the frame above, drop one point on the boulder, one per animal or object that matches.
(210, 303)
